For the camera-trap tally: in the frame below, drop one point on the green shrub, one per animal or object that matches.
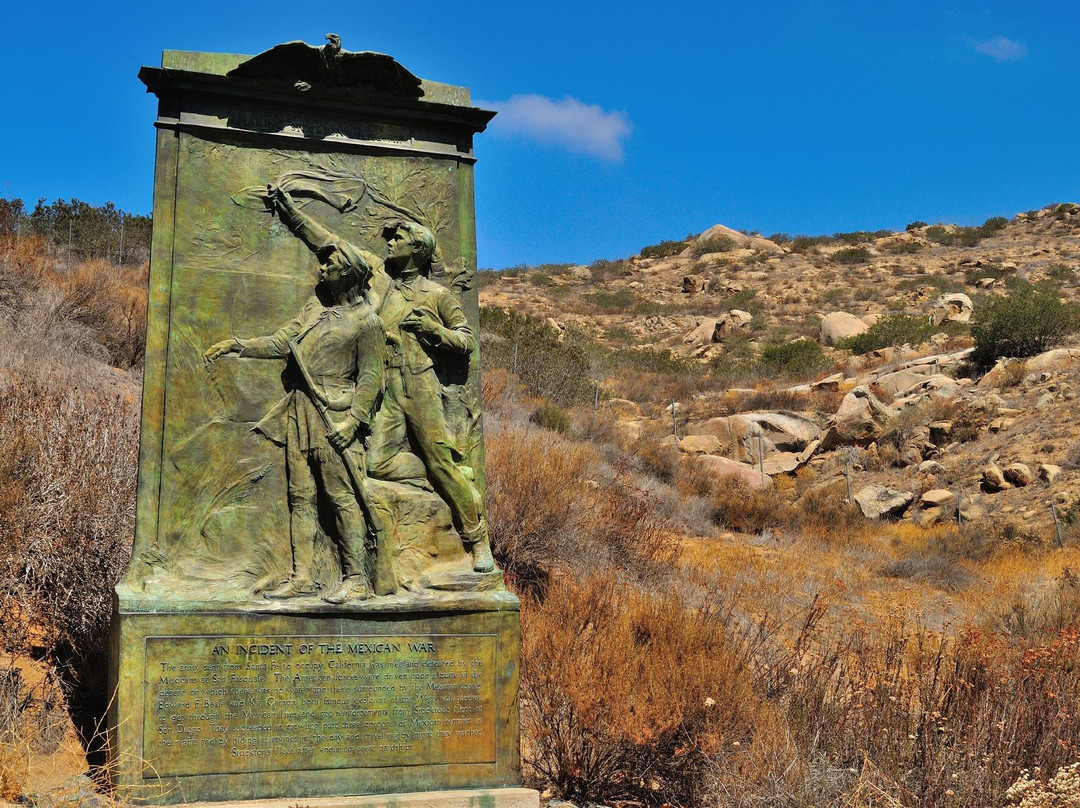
(965, 236)
(861, 236)
(803, 243)
(851, 255)
(888, 331)
(609, 302)
(914, 225)
(1024, 322)
(802, 357)
(780, 238)
(904, 248)
(550, 416)
(1060, 272)
(665, 249)
(712, 245)
(603, 270)
(547, 367)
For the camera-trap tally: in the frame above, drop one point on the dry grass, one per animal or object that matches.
(607, 715)
(67, 489)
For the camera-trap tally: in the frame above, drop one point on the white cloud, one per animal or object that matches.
(1001, 49)
(572, 124)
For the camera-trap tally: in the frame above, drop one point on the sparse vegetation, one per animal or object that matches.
(888, 331)
(1024, 322)
(665, 249)
(851, 255)
(716, 244)
(802, 357)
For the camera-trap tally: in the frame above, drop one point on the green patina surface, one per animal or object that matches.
(221, 63)
(244, 706)
(273, 214)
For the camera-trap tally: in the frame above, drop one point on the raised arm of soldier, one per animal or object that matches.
(318, 239)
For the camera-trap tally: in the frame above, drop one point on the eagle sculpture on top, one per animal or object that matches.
(305, 66)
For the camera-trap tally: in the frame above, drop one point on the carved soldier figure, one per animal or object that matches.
(335, 348)
(422, 319)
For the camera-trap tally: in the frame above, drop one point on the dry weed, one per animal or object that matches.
(607, 714)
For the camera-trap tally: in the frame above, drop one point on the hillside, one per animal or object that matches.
(910, 414)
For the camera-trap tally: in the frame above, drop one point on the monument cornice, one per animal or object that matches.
(224, 96)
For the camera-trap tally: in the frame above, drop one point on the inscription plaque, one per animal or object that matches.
(317, 702)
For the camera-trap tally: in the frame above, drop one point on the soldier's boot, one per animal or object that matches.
(295, 586)
(480, 544)
(353, 587)
(302, 526)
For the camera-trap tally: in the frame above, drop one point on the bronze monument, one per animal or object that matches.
(312, 607)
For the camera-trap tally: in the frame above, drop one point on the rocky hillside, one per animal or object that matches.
(900, 415)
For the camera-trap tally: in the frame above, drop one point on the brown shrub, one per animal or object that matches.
(552, 503)
(607, 712)
(738, 507)
(950, 720)
(67, 496)
(22, 267)
(111, 301)
(825, 513)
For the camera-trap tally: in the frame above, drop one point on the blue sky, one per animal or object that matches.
(622, 124)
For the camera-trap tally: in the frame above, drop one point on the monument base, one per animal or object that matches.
(301, 699)
(462, 798)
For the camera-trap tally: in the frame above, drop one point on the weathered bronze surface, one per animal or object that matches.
(311, 463)
(242, 705)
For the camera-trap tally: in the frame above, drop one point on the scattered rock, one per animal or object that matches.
(782, 462)
(718, 230)
(760, 244)
(700, 444)
(930, 516)
(952, 308)
(1048, 472)
(581, 273)
(930, 467)
(879, 502)
(693, 284)
(993, 479)
(1018, 474)
(901, 380)
(720, 467)
(730, 322)
(838, 325)
(861, 418)
(937, 498)
(785, 432)
(829, 384)
(703, 334)
(939, 432)
(992, 378)
(1054, 360)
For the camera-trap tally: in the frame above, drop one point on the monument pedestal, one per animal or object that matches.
(301, 698)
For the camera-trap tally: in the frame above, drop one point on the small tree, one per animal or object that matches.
(1025, 322)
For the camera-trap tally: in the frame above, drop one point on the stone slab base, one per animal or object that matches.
(268, 704)
(464, 798)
